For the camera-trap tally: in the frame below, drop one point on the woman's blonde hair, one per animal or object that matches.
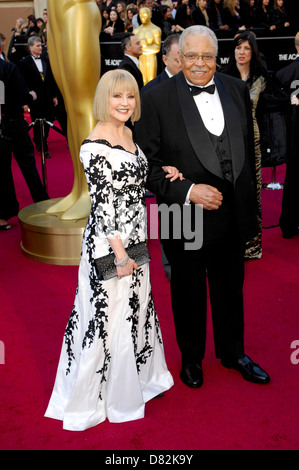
(230, 5)
(111, 82)
(19, 29)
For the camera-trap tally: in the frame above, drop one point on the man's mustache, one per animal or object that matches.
(199, 69)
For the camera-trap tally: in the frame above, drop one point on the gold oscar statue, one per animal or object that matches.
(150, 37)
(52, 230)
(74, 51)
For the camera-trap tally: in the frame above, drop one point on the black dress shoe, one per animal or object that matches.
(289, 233)
(250, 371)
(191, 374)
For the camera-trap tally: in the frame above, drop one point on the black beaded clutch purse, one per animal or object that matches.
(106, 268)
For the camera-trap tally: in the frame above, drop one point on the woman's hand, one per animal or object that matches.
(109, 30)
(126, 270)
(173, 173)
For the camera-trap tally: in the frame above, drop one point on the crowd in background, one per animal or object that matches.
(119, 17)
(22, 31)
(174, 16)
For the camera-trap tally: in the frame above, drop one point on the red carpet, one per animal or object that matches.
(226, 413)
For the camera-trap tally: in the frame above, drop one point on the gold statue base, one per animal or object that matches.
(48, 239)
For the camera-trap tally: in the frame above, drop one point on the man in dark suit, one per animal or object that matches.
(170, 57)
(16, 140)
(3, 40)
(209, 138)
(38, 77)
(132, 50)
(289, 218)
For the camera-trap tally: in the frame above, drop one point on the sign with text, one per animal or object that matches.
(278, 52)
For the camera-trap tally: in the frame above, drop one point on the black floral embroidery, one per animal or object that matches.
(69, 337)
(118, 206)
(146, 351)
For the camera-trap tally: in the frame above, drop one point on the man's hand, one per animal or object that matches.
(33, 94)
(207, 196)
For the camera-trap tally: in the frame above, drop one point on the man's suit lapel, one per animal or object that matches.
(138, 74)
(194, 125)
(163, 76)
(45, 65)
(36, 71)
(232, 120)
(203, 147)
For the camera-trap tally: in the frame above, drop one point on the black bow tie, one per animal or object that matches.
(36, 58)
(196, 90)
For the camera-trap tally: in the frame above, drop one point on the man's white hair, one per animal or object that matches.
(199, 30)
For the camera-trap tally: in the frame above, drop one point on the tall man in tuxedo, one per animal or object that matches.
(209, 138)
(38, 77)
(132, 49)
(289, 218)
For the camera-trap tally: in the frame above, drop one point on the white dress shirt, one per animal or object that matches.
(135, 22)
(168, 73)
(38, 64)
(210, 109)
(211, 112)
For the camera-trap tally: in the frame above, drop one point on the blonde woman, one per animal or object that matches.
(20, 23)
(121, 9)
(232, 16)
(112, 360)
(13, 54)
(200, 15)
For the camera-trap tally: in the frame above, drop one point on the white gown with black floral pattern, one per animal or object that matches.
(112, 360)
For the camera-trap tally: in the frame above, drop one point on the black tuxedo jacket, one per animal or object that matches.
(171, 132)
(289, 78)
(158, 79)
(16, 93)
(287, 75)
(129, 65)
(45, 89)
